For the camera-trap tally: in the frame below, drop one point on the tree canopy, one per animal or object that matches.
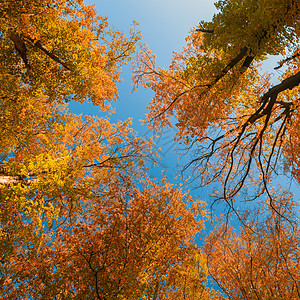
(261, 261)
(79, 216)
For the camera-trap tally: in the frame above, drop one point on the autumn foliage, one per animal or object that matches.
(80, 218)
(260, 260)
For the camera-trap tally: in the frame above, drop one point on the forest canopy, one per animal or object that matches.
(80, 217)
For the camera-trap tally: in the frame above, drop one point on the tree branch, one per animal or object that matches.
(48, 52)
(20, 46)
(202, 29)
(281, 63)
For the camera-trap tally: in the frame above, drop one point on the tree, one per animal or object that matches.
(79, 218)
(68, 54)
(125, 244)
(260, 260)
(239, 122)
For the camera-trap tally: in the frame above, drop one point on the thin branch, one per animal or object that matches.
(281, 63)
(202, 29)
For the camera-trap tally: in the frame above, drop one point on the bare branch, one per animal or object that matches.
(281, 63)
